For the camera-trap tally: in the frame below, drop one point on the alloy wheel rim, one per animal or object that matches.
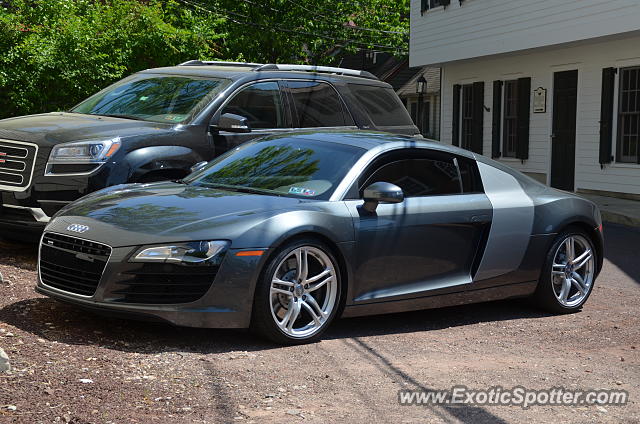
(572, 271)
(303, 292)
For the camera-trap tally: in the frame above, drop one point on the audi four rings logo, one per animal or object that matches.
(78, 228)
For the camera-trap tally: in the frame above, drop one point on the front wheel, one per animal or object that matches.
(569, 272)
(299, 293)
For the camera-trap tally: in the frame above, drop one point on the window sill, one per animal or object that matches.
(625, 165)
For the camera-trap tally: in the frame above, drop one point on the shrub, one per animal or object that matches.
(54, 53)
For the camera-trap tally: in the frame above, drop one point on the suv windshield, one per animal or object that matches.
(158, 98)
(285, 167)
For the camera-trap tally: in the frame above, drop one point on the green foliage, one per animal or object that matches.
(54, 53)
(310, 31)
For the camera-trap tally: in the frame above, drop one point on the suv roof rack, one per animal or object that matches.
(311, 68)
(276, 67)
(219, 63)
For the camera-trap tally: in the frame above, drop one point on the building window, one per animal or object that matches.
(432, 4)
(629, 115)
(467, 117)
(510, 134)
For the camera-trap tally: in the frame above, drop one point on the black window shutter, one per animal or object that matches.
(497, 119)
(524, 116)
(455, 118)
(478, 117)
(606, 114)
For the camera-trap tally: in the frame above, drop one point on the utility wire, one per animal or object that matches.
(361, 44)
(355, 28)
(325, 12)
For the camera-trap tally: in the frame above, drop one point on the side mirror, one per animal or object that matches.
(381, 192)
(232, 123)
(198, 166)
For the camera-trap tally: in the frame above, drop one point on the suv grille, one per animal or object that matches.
(71, 264)
(16, 165)
(164, 283)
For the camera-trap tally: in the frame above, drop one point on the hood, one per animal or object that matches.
(60, 127)
(139, 214)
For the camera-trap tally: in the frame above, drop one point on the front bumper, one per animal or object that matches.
(227, 303)
(30, 210)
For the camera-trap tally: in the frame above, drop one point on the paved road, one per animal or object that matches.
(143, 372)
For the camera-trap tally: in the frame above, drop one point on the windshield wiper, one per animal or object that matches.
(242, 189)
(119, 115)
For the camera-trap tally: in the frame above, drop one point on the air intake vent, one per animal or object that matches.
(17, 160)
(164, 283)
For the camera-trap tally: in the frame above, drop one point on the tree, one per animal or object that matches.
(54, 53)
(309, 31)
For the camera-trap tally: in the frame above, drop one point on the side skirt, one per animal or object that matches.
(440, 301)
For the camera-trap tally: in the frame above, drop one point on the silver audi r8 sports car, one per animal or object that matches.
(287, 233)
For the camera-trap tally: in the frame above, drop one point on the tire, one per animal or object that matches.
(285, 298)
(565, 284)
(155, 177)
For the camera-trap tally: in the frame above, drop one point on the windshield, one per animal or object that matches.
(158, 98)
(286, 167)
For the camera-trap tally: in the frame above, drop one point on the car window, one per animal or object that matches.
(153, 97)
(382, 104)
(419, 177)
(471, 180)
(300, 168)
(260, 103)
(317, 104)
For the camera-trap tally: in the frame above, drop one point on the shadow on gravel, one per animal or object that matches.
(56, 321)
(19, 255)
(447, 413)
(621, 248)
(433, 319)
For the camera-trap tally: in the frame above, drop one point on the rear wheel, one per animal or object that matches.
(299, 293)
(569, 273)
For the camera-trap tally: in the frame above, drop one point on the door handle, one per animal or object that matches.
(480, 218)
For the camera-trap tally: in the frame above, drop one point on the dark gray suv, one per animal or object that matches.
(159, 123)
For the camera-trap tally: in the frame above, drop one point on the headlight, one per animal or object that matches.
(92, 151)
(199, 252)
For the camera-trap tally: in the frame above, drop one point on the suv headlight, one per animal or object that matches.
(91, 151)
(194, 253)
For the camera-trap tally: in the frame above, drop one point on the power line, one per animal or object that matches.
(360, 44)
(328, 12)
(358, 28)
(253, 3)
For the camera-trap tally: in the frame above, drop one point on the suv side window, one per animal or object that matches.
(317, 104)
(261, 104)
(419, 177)
(382, 104)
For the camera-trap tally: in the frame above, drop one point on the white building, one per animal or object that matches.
(549, 87)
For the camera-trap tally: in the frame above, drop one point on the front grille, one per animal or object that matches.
(164, 283)
(71, 264)
(16, 164)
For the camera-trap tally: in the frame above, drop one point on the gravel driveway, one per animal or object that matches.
(71, 366)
